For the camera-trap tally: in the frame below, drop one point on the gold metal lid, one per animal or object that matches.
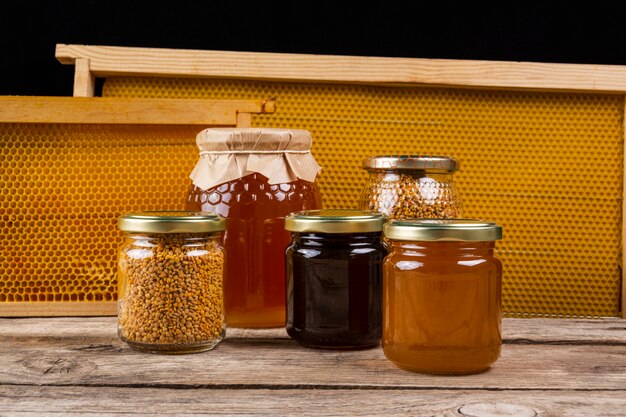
(172, 222)
(432, 230)
(335, 221)
(434, 164)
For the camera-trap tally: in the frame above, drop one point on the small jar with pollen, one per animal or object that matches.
(412, 186)
(170, 281)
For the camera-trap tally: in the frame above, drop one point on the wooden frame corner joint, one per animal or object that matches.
(244, 119)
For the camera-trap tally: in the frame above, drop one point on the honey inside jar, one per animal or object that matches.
(334, 278)
(254, 177)
(254, 282)
(441, 299)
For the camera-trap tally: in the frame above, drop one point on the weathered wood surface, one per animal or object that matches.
(79, 366)
(58, 308)
(73, 401)
(107, 61)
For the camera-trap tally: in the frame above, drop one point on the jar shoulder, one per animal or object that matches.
(258, 186)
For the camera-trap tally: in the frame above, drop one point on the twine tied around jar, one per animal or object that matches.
(227, 154)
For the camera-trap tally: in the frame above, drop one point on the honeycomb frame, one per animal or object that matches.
(70, 167)
(555, 127)
(520, 155)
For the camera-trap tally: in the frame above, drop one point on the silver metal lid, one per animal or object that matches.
(435, 164)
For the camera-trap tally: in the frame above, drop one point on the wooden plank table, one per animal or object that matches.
(78, 366)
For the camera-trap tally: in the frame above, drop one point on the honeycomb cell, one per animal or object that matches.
(547, 166)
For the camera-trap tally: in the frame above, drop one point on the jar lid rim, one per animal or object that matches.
(171, 221)
(431, 230)
(335, 221)
(428, 163)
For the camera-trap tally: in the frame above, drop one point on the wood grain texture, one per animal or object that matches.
(98, 401)
(608, 331)
(78, 366)
(45, 352)
(111, 60)
(100, 110)
(84, 80)
(58, 309)
(244, 120)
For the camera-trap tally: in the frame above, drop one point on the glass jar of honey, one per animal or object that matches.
(334, 278)
(442, 295)
(170, 281)
(254, 178)
(411, 186)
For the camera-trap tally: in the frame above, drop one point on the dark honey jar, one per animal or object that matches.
(334, 278)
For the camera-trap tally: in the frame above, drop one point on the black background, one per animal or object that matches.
(594, 33)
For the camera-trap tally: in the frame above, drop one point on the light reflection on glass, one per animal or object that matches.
(472, 263)
(408, 265)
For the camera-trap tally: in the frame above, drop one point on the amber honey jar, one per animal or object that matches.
(411, 186)
(334, 278)
(254, 178)
(442, 295)
(170, 281)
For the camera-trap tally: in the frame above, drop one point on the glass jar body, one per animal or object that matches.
(405, 193)
(255, 242)
(442, 306)
(334, 289)
(170, 292)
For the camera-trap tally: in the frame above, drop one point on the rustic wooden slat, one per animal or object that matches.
(99, 110)
(60, 308)
(98, 401)
(84, 80)
(263, 364)
(40, 352)
(608, 331)
(111, 60)
(244, 120)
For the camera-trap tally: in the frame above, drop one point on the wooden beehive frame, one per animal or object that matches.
(102, 110)
(71, 110)
(104, 61)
